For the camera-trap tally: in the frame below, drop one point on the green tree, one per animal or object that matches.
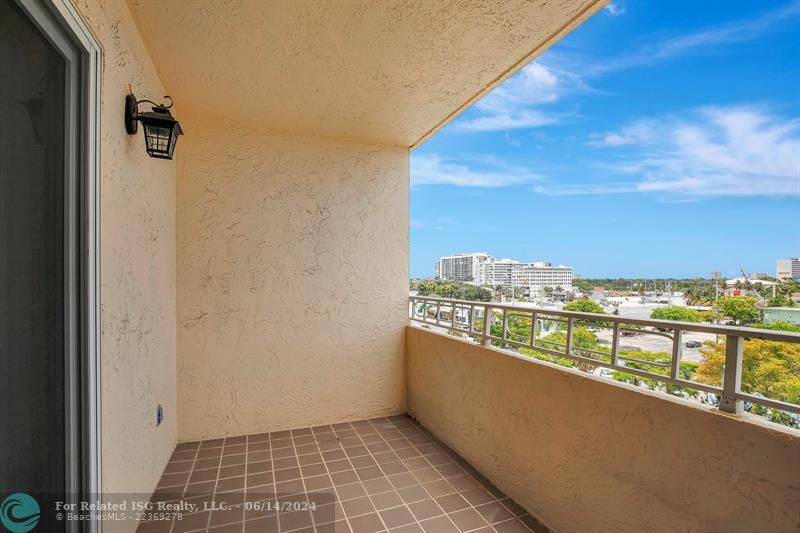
(769, 368)
(780, 300)
(584, 343)
(778, 326)
(446, 290)
(425, 287)
(677, 313)
(740, 309)
(451, 289)
(700, 292)
(519, 328)
(582, 285)
(477, 294)
(686, 371)
(585, 305)
(582, 338)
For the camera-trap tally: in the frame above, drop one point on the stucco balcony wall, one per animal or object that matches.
(292, 280)
(588, 455)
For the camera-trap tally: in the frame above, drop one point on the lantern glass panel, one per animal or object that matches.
(161, 132)
(158, 140)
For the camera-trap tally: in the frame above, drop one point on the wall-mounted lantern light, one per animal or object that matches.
(161, 130)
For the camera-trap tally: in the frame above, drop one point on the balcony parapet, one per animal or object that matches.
(467, 318)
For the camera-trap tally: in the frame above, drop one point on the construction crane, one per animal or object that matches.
(744, 275)
(747, 281)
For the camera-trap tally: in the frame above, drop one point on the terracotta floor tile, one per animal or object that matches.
(368, 476)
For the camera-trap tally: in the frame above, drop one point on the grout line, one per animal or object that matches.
(466, 473)
(471, 506)
(186, 485)
(446, 514)
(244, 488)
(338, 498)
(400, 460)
(302, 479)
(216, 481)
(274, 481)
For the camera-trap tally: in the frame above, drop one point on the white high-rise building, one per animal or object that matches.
(538, 277)
(497, 272)
(461, 267)
(787, 269)
(534, 276)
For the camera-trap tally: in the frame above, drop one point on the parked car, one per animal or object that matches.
(693, 344)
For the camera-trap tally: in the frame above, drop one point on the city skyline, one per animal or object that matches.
(654, 141)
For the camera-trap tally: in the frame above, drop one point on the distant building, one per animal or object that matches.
(498, 272)
(483, 269)
(535, 277)
(743, 281)
(738, 286)
(461, 267)
(790, 315)
(539, 277)
(787, 269)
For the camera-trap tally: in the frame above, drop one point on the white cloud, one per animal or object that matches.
(737, 31)
(719, 151)
(447, 223)
(584, 189)
(433, 170)
(515, 104)
(615, 9)
(512, 121)
(641, 132)
(535, 84)
(438, 223)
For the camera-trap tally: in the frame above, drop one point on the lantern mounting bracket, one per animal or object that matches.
(132, 111)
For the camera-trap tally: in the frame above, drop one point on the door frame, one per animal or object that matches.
(61, 23)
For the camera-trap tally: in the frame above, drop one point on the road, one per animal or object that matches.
(648, 342)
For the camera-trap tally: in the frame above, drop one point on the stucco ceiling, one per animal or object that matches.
(382, 72)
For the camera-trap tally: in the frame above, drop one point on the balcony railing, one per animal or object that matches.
(467, 318)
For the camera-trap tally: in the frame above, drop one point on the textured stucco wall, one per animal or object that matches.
(292, 280)
(137, 267)
(586, 455)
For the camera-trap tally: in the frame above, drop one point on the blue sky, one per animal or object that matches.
(659, 139)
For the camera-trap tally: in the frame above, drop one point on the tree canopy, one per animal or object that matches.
(781, 300)
(451, 289)
(680, 314)
(769, 368)
(741, 309)
(779, 326)
(585, 305)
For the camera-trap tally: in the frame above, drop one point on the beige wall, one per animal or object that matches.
(292, 280)
(586, 455)
(137, 267)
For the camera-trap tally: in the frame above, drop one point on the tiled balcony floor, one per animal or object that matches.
(384, 474)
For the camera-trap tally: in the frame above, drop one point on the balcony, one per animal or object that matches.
(482, 417)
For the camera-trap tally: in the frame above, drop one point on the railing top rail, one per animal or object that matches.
(738, 331)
